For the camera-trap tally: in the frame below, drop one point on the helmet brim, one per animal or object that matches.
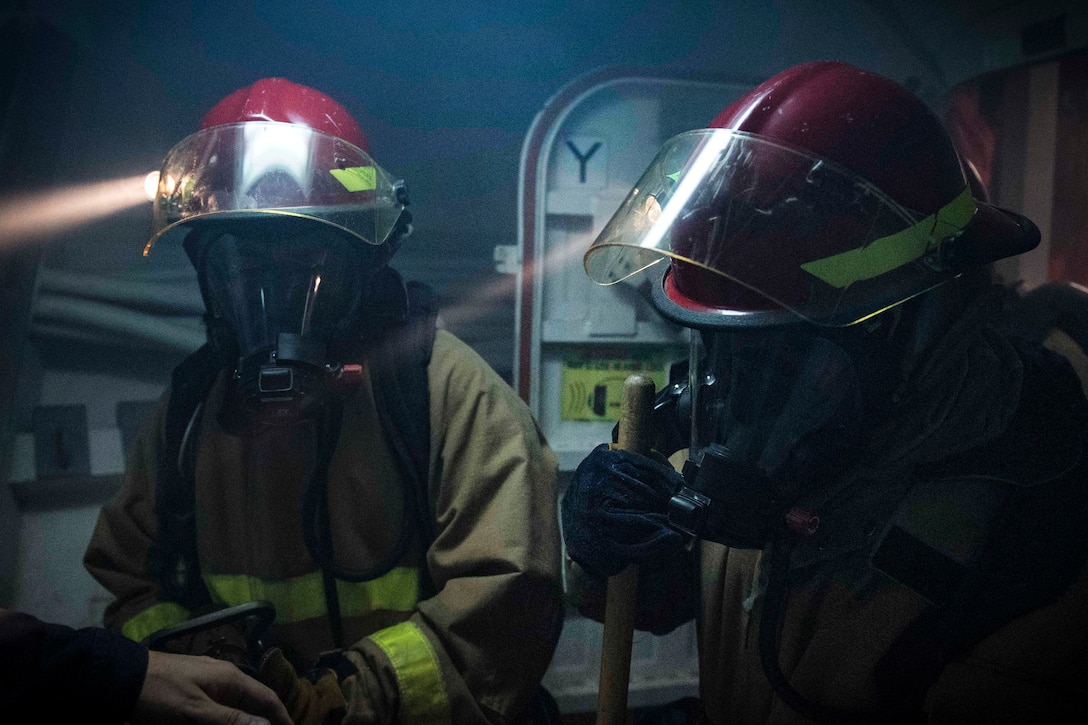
(994, 233)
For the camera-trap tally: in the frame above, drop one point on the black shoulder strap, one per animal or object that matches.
(401, 394)
(173, 560)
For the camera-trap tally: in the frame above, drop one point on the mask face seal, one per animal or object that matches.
(774, 413)
(277, 303)
(764, 395)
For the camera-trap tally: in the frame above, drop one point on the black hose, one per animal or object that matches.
(774, 612)
(317, 527)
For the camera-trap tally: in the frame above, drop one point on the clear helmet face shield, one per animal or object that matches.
(799, 232)
(256, 169)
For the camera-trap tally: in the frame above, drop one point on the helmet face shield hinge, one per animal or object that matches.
(400, 191)
(939, 259)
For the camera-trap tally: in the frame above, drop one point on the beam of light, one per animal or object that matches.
(35, 217)
(467, 308)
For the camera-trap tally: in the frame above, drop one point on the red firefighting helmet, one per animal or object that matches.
(280, 100)
(277, 148)
(827, 193)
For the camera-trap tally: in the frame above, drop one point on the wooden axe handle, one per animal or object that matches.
(635, 434)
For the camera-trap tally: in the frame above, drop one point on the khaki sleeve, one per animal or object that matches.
(488, 634)
(117, 554)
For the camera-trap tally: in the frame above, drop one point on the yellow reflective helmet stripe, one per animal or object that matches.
(893, 251)
(152, 619)
(357, 178)
(419, 678)
(303, 597)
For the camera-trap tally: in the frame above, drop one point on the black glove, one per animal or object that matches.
(615, 511)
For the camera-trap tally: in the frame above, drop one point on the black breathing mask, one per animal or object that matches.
(282, 299)
(773, 414)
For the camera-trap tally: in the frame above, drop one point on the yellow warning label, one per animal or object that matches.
(593, 386)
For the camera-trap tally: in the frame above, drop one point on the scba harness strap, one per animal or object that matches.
(398, 360)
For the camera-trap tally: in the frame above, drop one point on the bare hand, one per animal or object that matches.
(190, 689)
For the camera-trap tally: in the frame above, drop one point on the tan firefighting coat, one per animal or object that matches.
(1033, 669)
(840, 623)
(475, 651)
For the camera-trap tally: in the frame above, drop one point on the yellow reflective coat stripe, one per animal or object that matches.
(303, 597)
(893, 251)
(419, 679)
(152, 619)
